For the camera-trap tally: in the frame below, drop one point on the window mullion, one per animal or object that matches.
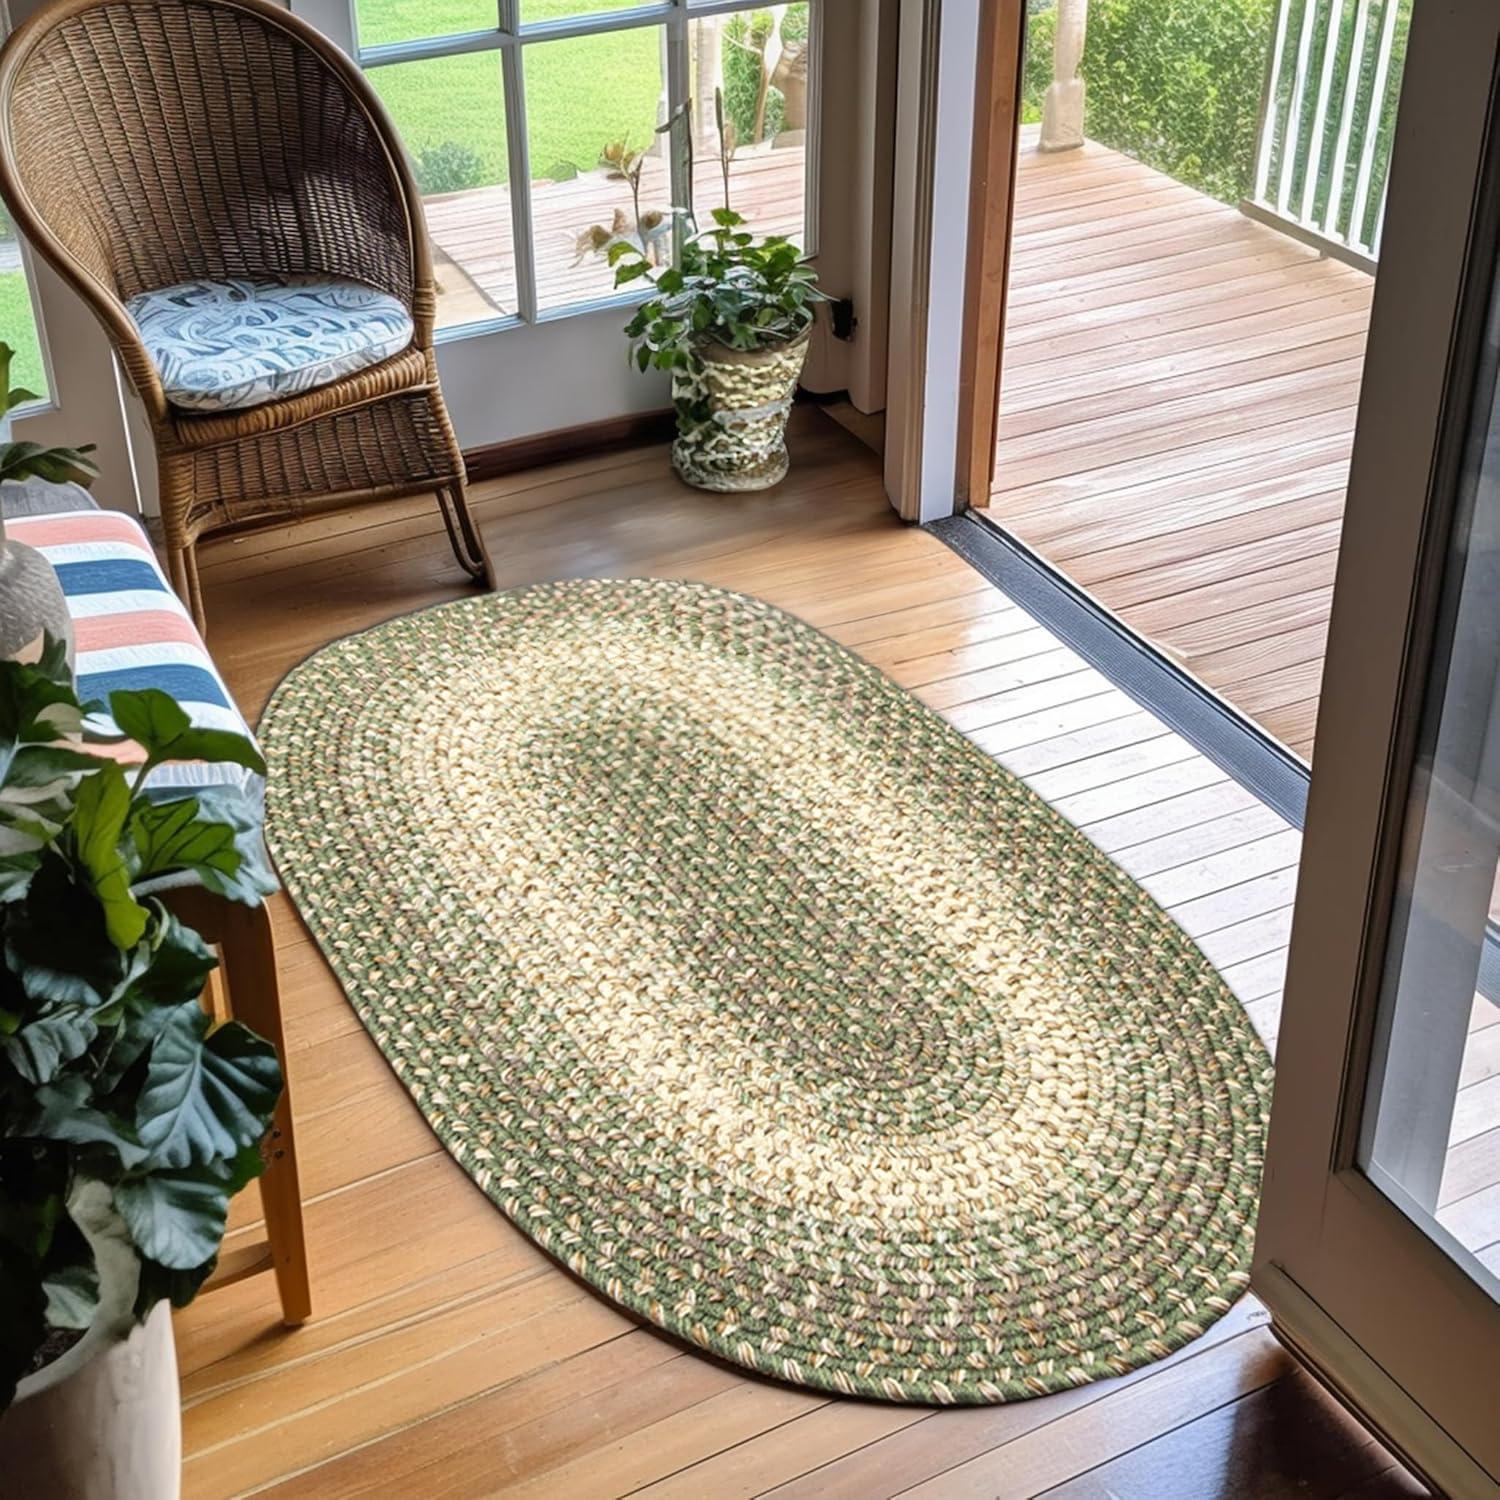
(679, 85)
(518, 156)
(812, 143)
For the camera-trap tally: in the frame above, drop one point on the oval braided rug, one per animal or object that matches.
(762, 999)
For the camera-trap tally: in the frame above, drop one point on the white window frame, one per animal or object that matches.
(510, 36)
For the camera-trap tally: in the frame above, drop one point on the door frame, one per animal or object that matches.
(1373, 1305)
(959, 117)
(957, 114)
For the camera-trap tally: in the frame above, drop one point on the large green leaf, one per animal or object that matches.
(177, 965)
(157, 723)
(60, 1034)
(41, 765)
(100, 809)
(160, 1282)
(252, 878)
(64, 1110)
(16, 871)
(70, 1279)
(205, 1097)
(170, 836)
(176, 1218)
(171, 971)
(62, 951)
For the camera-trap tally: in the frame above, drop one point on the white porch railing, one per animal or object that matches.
(1322, 151)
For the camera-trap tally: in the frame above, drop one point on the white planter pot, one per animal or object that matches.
(104, 1421)
(112, 1430)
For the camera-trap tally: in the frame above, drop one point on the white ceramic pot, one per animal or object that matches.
(104, 1421)
(111, 1430)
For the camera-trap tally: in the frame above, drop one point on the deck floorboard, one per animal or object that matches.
(1176, 416)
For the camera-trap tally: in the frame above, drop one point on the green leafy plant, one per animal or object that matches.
(127, 1119)
(1176, 83)
(25, 460)
(723, 286)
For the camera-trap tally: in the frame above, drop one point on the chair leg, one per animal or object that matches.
(464, 534)
(175, 488)
(245, 937)
(195, 589)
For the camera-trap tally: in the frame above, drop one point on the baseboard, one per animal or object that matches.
(491, 460)
(494, 459)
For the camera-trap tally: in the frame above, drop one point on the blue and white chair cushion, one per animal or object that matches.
(225, 345)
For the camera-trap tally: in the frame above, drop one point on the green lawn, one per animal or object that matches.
(580, 94)
(18, 329)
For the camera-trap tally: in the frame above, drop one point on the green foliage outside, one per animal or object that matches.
(447, 168)
(1178, 84)
(745, 38)
(580, 93)
(18, 329)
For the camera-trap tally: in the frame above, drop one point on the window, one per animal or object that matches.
(514, 119)
(18, 326)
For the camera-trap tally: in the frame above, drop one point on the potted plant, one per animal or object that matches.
(730, 317)
(31, 603)
(127, 1119)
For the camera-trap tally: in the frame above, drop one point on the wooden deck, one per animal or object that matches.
(474, 250)
(1176, 417)
(448, 1355)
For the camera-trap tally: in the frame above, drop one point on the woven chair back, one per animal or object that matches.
(161, 141)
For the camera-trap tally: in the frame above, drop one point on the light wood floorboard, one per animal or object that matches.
(448, 1356)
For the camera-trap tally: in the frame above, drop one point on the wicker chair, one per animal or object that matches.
(148, 143)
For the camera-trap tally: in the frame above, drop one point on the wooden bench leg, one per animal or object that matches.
(246, 941)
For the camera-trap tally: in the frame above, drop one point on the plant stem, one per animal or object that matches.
(723, 142)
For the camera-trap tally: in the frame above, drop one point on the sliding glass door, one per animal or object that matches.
(1379, 1242)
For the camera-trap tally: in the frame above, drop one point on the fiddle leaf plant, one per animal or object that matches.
(128, 1119)
(35, 460)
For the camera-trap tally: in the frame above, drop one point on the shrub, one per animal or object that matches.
(745, 36)
(448, 168)
(1176, 83)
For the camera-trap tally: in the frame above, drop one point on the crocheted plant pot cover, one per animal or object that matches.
(765, 1001)
(731, 416)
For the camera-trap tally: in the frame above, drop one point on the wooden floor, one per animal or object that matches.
(1176, 417)
(448, 1356)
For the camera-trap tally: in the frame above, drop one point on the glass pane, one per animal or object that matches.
(451, 114)
(534, 11)
(586, 97)
(1431, 1138)
(379, 21)
(761, 63)
(17, 317)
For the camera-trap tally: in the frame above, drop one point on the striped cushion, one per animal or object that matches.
(132, 631)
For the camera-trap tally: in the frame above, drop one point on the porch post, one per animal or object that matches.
(1062, 105)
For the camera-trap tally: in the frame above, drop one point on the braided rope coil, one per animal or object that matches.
(762, 999)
